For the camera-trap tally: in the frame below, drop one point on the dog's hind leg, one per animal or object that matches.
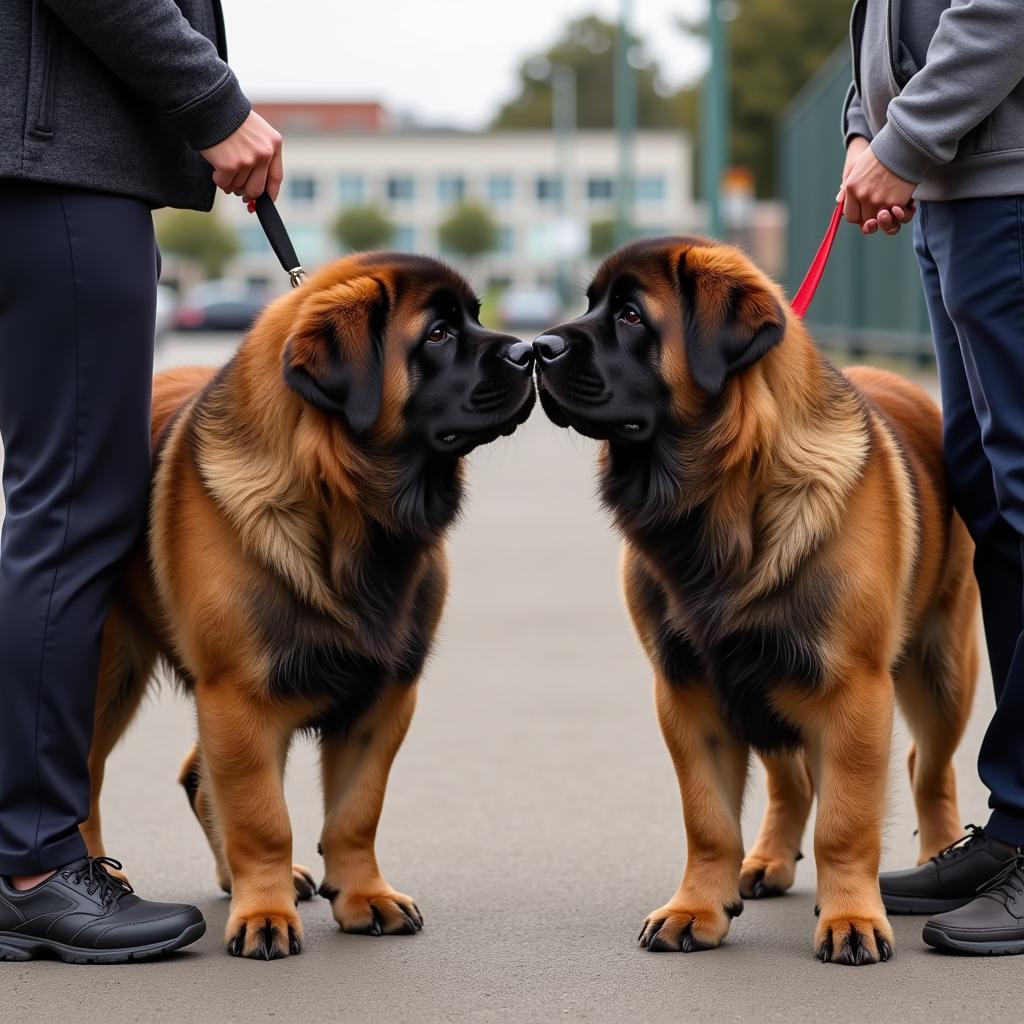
(355, 774)
(711, 766)
(190, 777)
(935, 689)
(126, 666)
(769, 869)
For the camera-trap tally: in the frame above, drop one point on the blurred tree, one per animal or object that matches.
(774, 48)
(469, 231)
(588, 45)
(201, 237)
(602, 237)
(360, 228)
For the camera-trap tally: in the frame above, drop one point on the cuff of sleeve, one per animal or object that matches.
(903, 157)
(854, 131)
(214, 116)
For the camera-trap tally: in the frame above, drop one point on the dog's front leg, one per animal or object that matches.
(245, 744)
(355, 775)
(711, 766)
(849, 754)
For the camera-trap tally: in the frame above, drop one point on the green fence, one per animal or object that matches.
(870, 299)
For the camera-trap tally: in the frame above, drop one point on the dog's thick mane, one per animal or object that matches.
(346, 529)
(734, 506)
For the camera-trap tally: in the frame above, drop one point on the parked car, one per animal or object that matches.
(220, 306)
(530, 307)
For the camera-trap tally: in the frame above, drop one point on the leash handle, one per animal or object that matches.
(277, 235)
(802, 301)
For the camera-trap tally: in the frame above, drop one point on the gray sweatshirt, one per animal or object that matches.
(116, 96)
(939, 90)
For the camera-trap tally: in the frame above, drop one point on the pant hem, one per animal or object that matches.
(47, 859)
(1007, 828)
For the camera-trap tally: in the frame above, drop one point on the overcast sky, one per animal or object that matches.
(450, 61)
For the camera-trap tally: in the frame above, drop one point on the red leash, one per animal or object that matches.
(802, 300)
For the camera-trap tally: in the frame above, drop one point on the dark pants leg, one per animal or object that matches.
(972, 263)
(78, 278)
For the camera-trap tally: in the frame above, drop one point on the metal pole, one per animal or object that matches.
(625, 123)
(563, 88)
(715, 117)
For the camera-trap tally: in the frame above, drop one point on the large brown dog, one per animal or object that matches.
(791, 561)
(296, 568)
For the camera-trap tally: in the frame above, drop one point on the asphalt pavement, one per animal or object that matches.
(533, 814)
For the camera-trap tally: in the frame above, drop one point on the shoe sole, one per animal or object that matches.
(24, 947)
(897, 905)
(938, 939)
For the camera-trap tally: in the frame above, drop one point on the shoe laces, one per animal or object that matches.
(954, 850)
(1008, 883)
(97, 879)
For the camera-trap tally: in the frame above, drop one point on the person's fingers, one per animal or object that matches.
(241, 176)
(275, 174)
(905, 214)
(888, 223)
(851, 207)
(256, 182)
(841, 194)
(870, 226)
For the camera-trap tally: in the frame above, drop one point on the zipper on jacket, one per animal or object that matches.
(856, 39)
(44, 114)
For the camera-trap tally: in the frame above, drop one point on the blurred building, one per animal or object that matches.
(344, 155)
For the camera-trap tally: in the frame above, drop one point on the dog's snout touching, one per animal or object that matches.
(550, 347)
(520, 354)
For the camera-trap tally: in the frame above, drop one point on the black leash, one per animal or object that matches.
(277, 235)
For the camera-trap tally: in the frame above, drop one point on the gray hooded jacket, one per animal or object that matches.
(939, 90)
(116, 96)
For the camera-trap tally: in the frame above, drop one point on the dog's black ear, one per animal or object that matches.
(730, 320)
(335, 357)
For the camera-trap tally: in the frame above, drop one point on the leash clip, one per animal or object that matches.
(296, 276)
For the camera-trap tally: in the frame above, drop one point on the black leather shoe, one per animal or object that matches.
(990, 925)
(84, 915)
(950, 879)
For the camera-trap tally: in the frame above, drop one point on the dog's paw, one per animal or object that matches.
(381, 912)
(270, 934)
(763, 877)
(853, 941)
(676, 928)
(305, 884)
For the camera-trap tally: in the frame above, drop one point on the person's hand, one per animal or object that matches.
(248, 162)
(872, 195)
(853, 151)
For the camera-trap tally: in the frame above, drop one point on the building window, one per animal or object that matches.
(401, 188)
(600, 189)
(301, 188)
(252, 239)
(651, 188)
(311, 243)
(351, 190)
(549, 190)
(506, 240)
(501, 188)
(405, 238)
(451, 188)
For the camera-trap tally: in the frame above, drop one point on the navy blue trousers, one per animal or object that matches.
(971, 253)
(78, 275)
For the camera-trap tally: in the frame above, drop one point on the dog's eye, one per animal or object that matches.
(439, 334)
(631, 316)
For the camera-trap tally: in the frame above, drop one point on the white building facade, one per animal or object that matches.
(416, 178)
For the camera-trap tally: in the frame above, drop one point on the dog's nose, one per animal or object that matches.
(521, 354)
(550, 346)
